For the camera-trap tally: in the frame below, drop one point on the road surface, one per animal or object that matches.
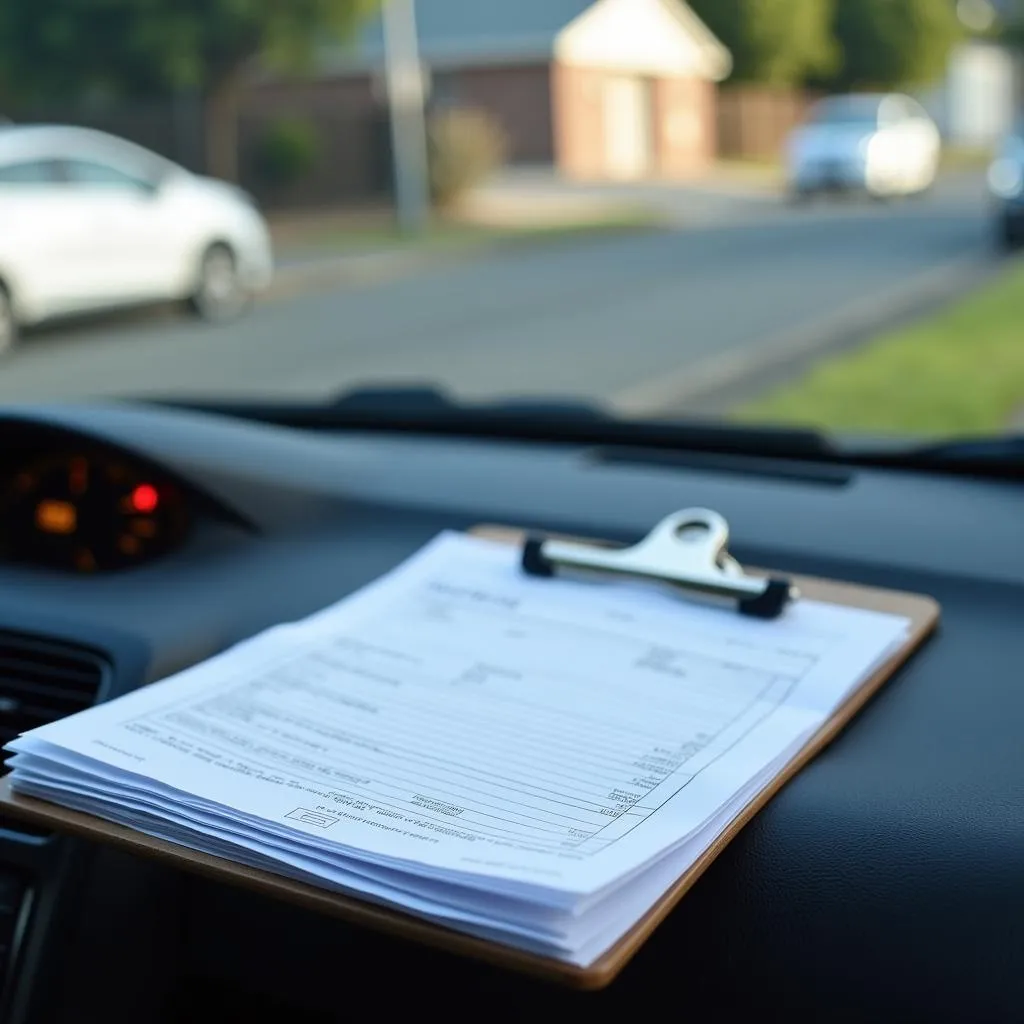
(645, 322)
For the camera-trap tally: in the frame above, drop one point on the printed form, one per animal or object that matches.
(458, 737)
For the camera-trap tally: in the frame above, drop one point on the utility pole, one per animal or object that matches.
(408, 124)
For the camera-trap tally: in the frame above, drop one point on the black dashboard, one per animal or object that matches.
(885, 883)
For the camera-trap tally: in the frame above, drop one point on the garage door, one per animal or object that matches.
(627, 127)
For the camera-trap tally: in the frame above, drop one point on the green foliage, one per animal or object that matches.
(774, 42)
(465, 146)
(58, 48)
(288, 151)
(1009, 26)
(842, 44)
(894, 43)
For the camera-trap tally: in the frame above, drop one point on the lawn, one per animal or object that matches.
(958, 371)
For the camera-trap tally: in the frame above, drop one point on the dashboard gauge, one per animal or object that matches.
(88, 514)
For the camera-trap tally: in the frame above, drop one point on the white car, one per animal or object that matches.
(89, 221)
(882, 144)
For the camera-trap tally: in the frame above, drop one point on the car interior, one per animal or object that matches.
(883, 882)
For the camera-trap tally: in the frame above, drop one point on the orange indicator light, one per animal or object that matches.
(56, 517)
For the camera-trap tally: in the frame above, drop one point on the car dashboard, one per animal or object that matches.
(883, 883)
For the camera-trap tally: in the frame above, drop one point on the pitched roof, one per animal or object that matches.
(644, 36)
(488, 30)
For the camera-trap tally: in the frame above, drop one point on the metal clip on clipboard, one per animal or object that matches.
(688, 551)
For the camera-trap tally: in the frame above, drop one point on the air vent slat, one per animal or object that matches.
(43, 652)
(17, 691)
(24, 668)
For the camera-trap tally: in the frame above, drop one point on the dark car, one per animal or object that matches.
(1006, 185)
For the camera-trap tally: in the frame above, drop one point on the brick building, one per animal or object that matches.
(599, 88)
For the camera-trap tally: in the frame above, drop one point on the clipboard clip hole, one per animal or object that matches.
(692, 532)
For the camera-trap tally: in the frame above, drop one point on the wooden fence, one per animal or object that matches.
(754, 122)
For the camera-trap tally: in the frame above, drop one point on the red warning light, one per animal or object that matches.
(145, 498)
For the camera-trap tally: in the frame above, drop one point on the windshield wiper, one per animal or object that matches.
(998, 456)
(429, 411)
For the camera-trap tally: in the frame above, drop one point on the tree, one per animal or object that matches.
(61, 48)
(1009, 26)
(890, 44)
(774, 42)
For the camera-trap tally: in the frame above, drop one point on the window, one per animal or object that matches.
(445, 89)
(90, 172)
(29, 172)
(847, 110)
(916, 110)
(899, 110)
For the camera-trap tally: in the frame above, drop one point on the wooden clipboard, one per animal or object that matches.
(923, 613)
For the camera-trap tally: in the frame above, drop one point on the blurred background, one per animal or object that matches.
(781, 211)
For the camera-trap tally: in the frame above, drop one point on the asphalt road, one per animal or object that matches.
(648, 323)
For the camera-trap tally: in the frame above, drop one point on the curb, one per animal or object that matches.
(715, 383)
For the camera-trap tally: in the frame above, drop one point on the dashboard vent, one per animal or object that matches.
(13, 896)
(41, 681)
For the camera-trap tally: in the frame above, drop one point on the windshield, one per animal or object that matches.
(848, 111)
(554, 201)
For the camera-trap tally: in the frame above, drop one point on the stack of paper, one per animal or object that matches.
(531, 761)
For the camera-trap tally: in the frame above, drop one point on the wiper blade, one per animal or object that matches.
(388, 401)
(997, 455)
(429, 411)
(1010, 446)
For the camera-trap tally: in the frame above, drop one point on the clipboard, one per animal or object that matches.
(711, 574)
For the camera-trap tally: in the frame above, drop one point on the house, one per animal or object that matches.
(599, 88)
(978, 99)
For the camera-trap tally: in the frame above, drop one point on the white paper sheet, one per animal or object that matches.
(531, 760)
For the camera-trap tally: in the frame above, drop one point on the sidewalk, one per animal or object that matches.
(727, 191)
(301, 274)
(351, 247)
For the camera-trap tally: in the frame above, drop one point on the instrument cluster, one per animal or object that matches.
(88, 512)
(80, 505)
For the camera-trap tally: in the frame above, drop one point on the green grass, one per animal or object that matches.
(752, 163)
(958, 371)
